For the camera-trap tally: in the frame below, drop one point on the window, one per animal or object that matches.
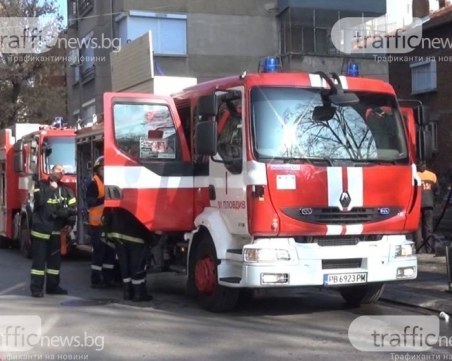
(61, 150)
(423, 77)
(169, 31)
(308, 31)
(72, 13)
(76, 117)
(230, 145)
(87, 58)
(88, 111)
(294, 124)
(145, 131)
(33, 159)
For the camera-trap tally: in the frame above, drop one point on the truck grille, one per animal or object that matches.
(341, 263)
(333, 215)
(328, 241)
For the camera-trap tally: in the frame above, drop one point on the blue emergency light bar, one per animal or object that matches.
(270, 64)
(353, 69)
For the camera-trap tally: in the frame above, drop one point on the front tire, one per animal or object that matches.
(360, 295)
(211, 296)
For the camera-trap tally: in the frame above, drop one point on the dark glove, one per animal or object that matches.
(62, 213)
(71, 221)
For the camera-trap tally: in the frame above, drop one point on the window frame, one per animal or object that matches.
(416, 71)
(234, 163)
(293, 32)
(155, 17)
(145, 161)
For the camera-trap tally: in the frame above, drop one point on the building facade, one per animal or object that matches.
(207, 39)
(426, 76)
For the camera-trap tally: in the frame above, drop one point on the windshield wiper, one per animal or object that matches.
(378, 161)
(315, 161)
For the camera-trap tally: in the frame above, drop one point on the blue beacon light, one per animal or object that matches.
(353, 69)
(270, 65)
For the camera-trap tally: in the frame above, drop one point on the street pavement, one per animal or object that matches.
(430, 290)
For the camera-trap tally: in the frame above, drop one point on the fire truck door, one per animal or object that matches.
(148, 169)
(3, 213)
(227, 168)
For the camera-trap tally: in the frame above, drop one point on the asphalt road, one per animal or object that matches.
(97, 325)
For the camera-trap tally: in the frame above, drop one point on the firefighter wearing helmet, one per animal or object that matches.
(54, 210)
(103, 256)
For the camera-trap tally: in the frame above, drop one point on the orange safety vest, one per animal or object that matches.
(95, 213)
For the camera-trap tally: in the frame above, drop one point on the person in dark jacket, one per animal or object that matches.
(54, 208)
(424, 235)
(132, 243)
(103, 256)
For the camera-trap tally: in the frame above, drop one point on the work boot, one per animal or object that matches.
(128, 291)
(56, 291)
(140, 293)
(37, 293)
(97, 285)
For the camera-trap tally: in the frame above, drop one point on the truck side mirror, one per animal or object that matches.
(19, 160)
(206, 138)
(208, 105)
(425, 144)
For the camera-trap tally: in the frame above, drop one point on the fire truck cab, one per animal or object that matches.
(270, 180)
(27, 154)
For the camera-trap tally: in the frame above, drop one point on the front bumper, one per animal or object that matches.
(314, 265)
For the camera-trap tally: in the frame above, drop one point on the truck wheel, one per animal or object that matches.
(359, 295)
(25, 239)
(211, 295)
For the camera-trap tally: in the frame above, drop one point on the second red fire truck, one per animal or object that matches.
(27, 154)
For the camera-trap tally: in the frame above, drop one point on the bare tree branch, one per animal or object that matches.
(26, 92)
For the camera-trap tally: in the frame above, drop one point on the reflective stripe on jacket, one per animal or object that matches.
(51, 208)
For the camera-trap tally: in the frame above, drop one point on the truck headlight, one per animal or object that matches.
(265, 255)
(404, 250)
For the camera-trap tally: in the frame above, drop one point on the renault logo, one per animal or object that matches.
(345, 199)
(306, 211)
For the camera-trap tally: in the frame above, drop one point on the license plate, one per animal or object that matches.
(345, 278)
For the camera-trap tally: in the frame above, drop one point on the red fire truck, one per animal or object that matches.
(27, 154)
(270, 180)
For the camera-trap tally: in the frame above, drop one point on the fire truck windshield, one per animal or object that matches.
(295, 124)
(60, 150)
